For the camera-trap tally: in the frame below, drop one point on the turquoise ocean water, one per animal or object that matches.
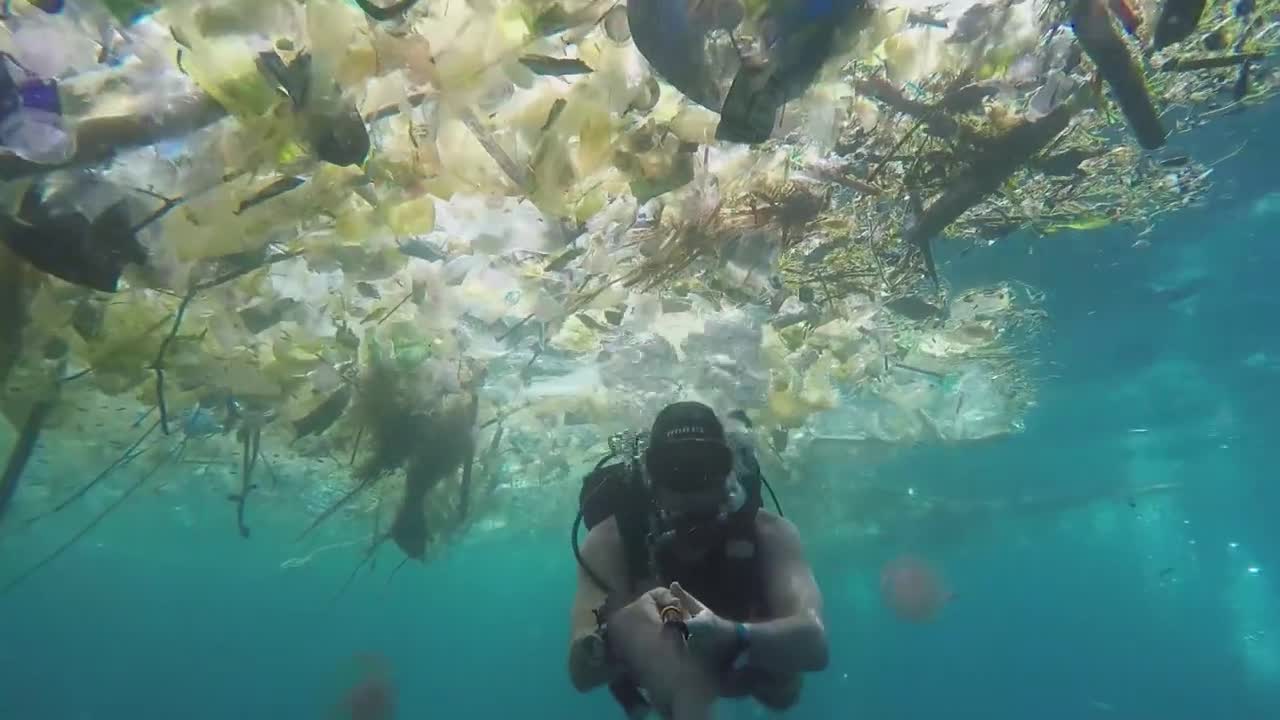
(1158, 366)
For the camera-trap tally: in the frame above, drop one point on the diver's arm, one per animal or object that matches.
(795, 640)
(602, 551)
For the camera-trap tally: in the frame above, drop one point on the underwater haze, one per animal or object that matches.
(284, 280)
(1163, 605)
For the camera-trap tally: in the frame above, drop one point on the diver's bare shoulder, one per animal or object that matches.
(788, 577)
(772, 528)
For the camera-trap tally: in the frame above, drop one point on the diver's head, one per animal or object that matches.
(690, 469)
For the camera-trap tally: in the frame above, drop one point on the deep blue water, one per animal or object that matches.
(1062, 616)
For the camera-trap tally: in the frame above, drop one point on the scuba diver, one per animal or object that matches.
(689, 590)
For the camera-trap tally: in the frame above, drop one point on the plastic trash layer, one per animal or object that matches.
(536, 207)
(31, 123)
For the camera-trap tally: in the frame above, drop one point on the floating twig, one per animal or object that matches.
(275, 189)
(1097, 35)
(515, 327)
(75, 376)
(328, 512)
(21, 577)
(355, 448)
(914, 369)
(21, 453)
(1000, 159)
(464, 489)
(395, 570)
(157, 365)
(168, 205)
(271, 470)
(125, 458)
(251, 439)
(504, 415)
(392, 311)
(366, 559)
(1205, 63)
(938, 122)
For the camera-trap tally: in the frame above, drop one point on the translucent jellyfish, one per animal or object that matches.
(369, 693)
(913, 589)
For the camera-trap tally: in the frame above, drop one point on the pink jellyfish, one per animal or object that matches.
(913, 589)
(370, 693)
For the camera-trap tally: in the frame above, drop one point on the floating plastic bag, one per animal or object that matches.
(645, 362)
(976, 407)
(579, 383)
(31, 123)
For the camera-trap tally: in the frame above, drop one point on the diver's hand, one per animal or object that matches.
(655, 653)
(711, 637)
(642, 614)
(636, 631)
